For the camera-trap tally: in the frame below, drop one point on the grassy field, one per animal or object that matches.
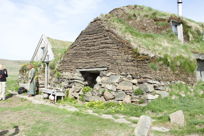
(190, 99)
(40, 120)
(13, 67)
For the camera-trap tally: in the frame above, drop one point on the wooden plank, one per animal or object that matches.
(92, 69)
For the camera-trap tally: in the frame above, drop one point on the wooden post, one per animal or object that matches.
(46, 74)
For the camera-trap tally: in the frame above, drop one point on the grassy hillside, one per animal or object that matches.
(12, 66)
(149, 32)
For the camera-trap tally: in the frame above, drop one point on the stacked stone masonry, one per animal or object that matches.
(113, 87)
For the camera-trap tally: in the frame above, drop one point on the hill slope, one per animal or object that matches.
(12, 66)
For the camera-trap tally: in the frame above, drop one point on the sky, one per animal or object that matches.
(22, 22)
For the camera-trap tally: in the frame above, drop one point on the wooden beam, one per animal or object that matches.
(92, 69)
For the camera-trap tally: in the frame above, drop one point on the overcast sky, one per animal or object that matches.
(23, 21)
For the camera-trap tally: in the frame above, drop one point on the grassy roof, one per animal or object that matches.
(149, 32)
(59, 47)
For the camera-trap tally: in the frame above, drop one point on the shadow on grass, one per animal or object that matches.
(9, 96)
(4, 132)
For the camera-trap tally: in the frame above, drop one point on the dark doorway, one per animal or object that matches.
(90, 77)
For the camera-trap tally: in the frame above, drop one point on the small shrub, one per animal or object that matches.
(96, 105)
(178, 63)
(86, 89)
(81, 98)
(141, 101)
(68, 100)
(153, 66)
(162, 23)
(138, 92)
(109, 107)
(58, 74)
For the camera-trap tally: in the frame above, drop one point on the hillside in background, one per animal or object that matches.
(12, 66)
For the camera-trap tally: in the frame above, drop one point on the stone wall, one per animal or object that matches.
(113, 87)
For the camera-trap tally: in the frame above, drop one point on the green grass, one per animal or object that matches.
(139, 92)
(159, 109)
(12, 83)
(58, 46)
(38, 120)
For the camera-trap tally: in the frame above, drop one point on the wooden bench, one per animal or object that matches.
(54, 92)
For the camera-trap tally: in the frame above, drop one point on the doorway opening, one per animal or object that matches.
(90, 77)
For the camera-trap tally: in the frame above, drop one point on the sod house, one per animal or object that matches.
(130, 54)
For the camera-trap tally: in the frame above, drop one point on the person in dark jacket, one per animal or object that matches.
(3, 76)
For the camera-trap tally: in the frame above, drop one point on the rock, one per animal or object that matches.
(160, 129)
(78, 82)
(146, 87)
(123, 74)
(108, 96)
(109, 74)
(45, 96)
(120, 95)
(135, 87)
(97, 93)
(76, 89)
(127, 99)
(104, 79)
(88, 94)
(152, 82)
(98, 80)
(92, 98)
(103, 73)
(134, 81)
(143, 127)
(152, 97)
(135, 99)
(110, 87)
(125, 85)
(114, 79)
(163, 94)
(141, 81)
(129, 77)
(159, 88)
(75, 95)
(97, 87)
(177, 118)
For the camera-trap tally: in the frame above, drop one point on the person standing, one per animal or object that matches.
(32, 81)
(3, 76)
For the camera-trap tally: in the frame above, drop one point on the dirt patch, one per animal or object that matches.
(14, 102)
